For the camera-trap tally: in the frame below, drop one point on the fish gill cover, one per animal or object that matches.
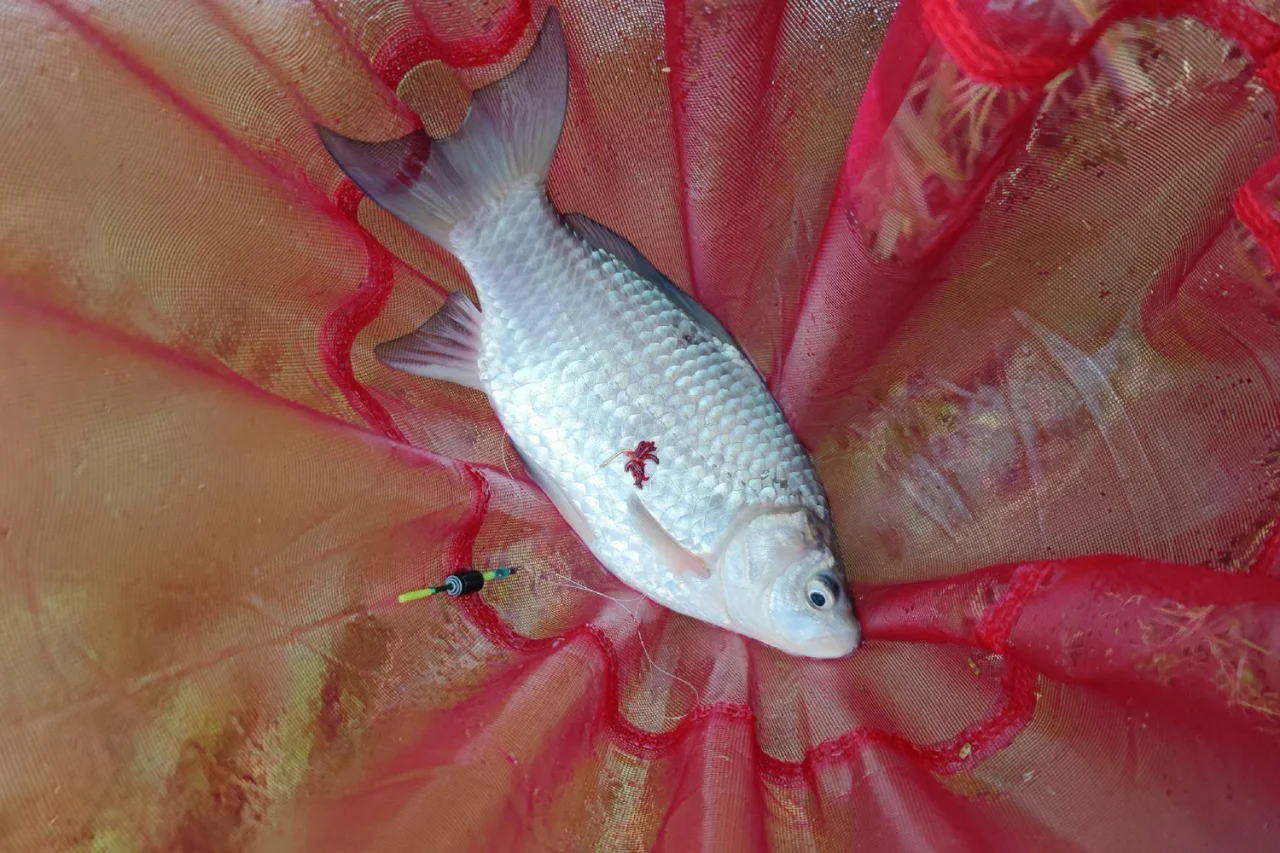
(1009, 268)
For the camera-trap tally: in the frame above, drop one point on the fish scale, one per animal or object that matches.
(592, 358)
(572, 394)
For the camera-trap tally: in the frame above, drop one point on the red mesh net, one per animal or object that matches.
(1009, 267)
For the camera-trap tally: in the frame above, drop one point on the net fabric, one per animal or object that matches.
(1010, 268)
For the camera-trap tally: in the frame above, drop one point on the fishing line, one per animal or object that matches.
(471, 581)
(574, 583)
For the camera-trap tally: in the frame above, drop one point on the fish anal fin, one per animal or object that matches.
(445, 347)
(679, 558)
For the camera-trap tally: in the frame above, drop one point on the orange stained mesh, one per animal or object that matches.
(1009, 267)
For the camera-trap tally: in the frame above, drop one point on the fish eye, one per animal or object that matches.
(822, 591)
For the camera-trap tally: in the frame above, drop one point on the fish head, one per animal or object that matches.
(784, 586)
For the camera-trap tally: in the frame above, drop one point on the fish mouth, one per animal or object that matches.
(830, 646)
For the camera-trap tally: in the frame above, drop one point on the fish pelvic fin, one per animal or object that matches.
(507, 139)
(446, 347)
(559, 497)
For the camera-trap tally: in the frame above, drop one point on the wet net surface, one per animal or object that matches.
(1009, 268)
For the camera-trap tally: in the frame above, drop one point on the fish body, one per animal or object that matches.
(631, 406)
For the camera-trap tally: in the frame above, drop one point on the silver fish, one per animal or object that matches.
(632, 407)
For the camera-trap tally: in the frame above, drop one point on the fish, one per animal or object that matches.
(632, 407)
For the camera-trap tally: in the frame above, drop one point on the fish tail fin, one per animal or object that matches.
(508, 138)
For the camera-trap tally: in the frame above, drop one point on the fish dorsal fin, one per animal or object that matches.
(558, 497)
(602, 238)
(446, 347)
(679, 558)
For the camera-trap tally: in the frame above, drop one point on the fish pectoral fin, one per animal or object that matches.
(679, 558)
(446, 347)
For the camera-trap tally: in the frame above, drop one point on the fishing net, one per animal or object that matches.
(1009, 267)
